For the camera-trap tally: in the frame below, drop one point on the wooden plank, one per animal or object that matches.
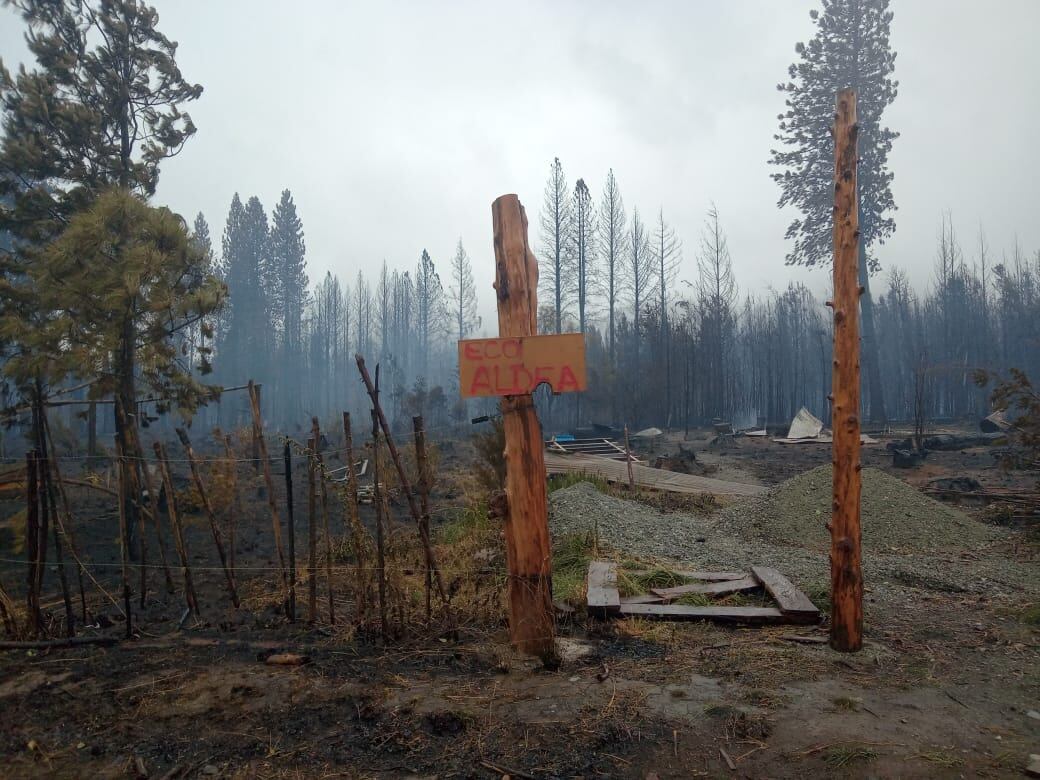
(708, 576)
(712, 588)
(603, 597)
(712, 576)
(789, 599)
(641, 600)
(645, 476)
(739, 615)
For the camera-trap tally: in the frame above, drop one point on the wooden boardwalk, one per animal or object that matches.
(645, 476)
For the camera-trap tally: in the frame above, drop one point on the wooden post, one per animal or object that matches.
(356, 532)
(328, 534)
(124, 540)
(66, 523)
(153, 507)
(51, 505)
(628, 462)
(261, 449)
(419, 430)
(233, 506)
(32, 543)
(178, 533)
(406, 488)
(528, 552)
(378, 502)
(846, 572)
(290, 529)
(259, 446)
(312, 523)
(210, 514)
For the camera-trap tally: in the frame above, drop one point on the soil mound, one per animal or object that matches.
(895, 516)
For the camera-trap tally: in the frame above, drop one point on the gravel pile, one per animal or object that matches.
(895, 516)
(726, 542)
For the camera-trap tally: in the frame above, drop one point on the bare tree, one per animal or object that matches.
(717, 291)
(584, 248)
(613, 245)
(463, 293)
(640, 277)
(667, 251)
(556, 222)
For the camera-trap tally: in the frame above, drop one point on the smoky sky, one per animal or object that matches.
(395, 124)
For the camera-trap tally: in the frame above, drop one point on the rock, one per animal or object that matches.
(1033, 714)
(210, 769)
(1033, 767)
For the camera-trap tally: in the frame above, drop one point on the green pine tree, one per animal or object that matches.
(850, 49)
(117, 286)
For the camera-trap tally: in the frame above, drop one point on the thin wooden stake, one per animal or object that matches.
(380, 551)
(66, 522)
(261, 448)
(846, 632)
(34, 617)
(328, 534)
(290, 529)
(312, 524)
(406, 488)
(528, 553)
(153, 506)
(178, 533)
(51, 504)
(628, 460)
(233, 507)
(419, 430)
(218, 540)
(124, 552)
(361, 589)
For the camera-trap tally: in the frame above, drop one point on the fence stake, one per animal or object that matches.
(419, 429)
(378, 501)
(846, 572)
(628, 460)
(210, 514)
(356, 531)
(261, 451)
(32, 543)
(406, 488)
(312, 524)
(528, 553)
(123, 539)
(178, 533)
(290, 529)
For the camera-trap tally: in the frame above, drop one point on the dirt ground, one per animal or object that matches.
(948, 684)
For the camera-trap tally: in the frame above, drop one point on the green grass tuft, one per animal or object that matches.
(561, 481)
(838, 757)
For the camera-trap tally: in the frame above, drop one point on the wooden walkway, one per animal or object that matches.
(645, 476)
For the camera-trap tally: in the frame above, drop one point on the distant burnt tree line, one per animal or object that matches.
(666, 351)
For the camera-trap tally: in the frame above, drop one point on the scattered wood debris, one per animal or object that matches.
(792, 606)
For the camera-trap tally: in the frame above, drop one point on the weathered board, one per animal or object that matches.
(712, 576)
(603, 597)
(741, 615)
(517, 365)
(641, 600)
(709, 588)
(791, 601)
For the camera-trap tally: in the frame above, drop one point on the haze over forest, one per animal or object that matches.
(337, 170)
(396, 137)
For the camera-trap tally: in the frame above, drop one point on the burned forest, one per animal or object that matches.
(460, 391)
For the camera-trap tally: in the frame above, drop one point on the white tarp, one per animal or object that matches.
(804, 425)
(648, 433)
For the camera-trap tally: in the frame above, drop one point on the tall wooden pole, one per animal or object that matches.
(846, 568)
(173, 513)
(32, 543)
(124, 540)
(528, 553)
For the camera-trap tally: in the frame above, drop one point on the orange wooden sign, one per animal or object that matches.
(514, 366)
